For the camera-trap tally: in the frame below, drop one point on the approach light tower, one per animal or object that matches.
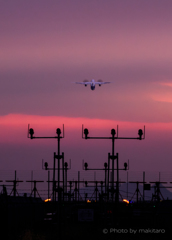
(56, 156)
(113, 156)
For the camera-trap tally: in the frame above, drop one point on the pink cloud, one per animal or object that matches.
(163, 94)
(20, 120)
(13, 127)
(162, 98)
(169, 84)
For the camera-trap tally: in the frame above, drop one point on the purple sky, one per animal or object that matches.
(45, 46)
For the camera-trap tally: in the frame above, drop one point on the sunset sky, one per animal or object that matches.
(47, 45)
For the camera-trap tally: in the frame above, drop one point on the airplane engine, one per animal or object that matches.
(85, 82)
(99, 82)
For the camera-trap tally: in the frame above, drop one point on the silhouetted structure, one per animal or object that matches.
(113, 157)
(82, 200)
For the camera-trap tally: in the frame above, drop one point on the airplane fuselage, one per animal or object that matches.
(92, 85)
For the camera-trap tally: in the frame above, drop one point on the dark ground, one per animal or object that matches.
(110, 221)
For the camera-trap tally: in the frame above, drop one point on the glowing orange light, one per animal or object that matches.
(47, 200)
(125, 200)
(88, 201)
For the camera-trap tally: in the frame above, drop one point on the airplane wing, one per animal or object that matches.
(102, 82)
(83, 82)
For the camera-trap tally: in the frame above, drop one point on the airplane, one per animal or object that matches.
(92, 83)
